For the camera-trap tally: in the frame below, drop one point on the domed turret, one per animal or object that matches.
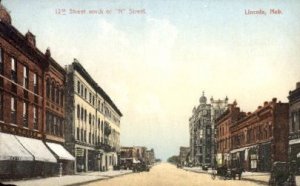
(4, 15)
(203, 99)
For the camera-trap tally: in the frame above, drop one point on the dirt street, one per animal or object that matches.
(168, 175)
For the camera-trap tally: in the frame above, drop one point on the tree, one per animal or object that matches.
(173, 159)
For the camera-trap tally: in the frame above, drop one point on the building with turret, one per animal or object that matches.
(202, 130)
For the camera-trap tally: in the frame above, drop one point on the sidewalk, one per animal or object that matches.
(76, 179)
(257, 177)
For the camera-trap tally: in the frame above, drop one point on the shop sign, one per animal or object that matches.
(79, 152)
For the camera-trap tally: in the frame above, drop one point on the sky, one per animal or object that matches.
(155, 64)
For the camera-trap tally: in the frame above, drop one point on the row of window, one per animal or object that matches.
(82, 115)
(54, 125)
(94, 139)
(14, 73)
(88, 96)
(14, 112)
(54, 93)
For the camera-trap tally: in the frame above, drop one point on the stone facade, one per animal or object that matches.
(202, 130)
(294, 124)
(93, 124)
(260, 138)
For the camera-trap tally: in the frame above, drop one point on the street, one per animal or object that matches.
(167, 174)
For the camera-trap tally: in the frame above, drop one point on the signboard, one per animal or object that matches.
(79, 152)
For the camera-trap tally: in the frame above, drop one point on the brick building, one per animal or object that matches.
(294, 124)
(223, 137)
(261, 138)
(23, 68)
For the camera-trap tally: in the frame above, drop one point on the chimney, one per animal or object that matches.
(30, 38)
(48, 53)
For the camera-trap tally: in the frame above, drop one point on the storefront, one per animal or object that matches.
(22, 157)
(65, 159)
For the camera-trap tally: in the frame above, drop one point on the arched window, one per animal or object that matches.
(48, 87)
(53, 90)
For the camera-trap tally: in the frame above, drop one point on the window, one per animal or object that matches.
(48, 88)
(35, 117)
(89, 137)
(13, 110)
(1, 66)
(77, 134)
(85, 93)
(25, 77)
(81, 90)
(90, 97)
(78, 87)
(84, 136)
(25, 114)
(78, 111)
(13, 70)
(53, 90)
(81, 135)
(61, 98)
(57, 96)
(35, 83)
(93, 100)
(54, 125)
(1, 105)
(90, 118)
(81, 113)
(85, 115)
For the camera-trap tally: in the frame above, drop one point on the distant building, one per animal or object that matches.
(202, 130)
(150, 157)
(184, 153)
(92, 123)
(294, 123)
(261, 138)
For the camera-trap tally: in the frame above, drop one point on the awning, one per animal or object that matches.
(11, 149)
(298, 155)
(37, 148)
(241, 149)
(60, 151)
(136, 161)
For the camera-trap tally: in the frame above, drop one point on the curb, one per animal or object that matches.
(245, 179)
(99, 179)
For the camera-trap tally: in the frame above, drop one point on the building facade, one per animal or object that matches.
(23, 105)
(260, 138)
(294, 124)
(202, 130)
(184, 153)
(93, 126)
(223, 135)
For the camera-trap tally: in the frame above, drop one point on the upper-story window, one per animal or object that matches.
(90, 118)
(93, 100)
(25, 114)
(48, 88)
(85, 92)
(35, 117)
(57, 96)
(81, 113)
(1, 105)
(25, 77)
(13, 70)
(78, 111)
(62, 98)
(53, 90)
(13, 110)
(81, 90)
(35, 83)
(78, 87)
(90, 97)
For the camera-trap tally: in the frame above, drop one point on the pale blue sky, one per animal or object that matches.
(155, 66)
